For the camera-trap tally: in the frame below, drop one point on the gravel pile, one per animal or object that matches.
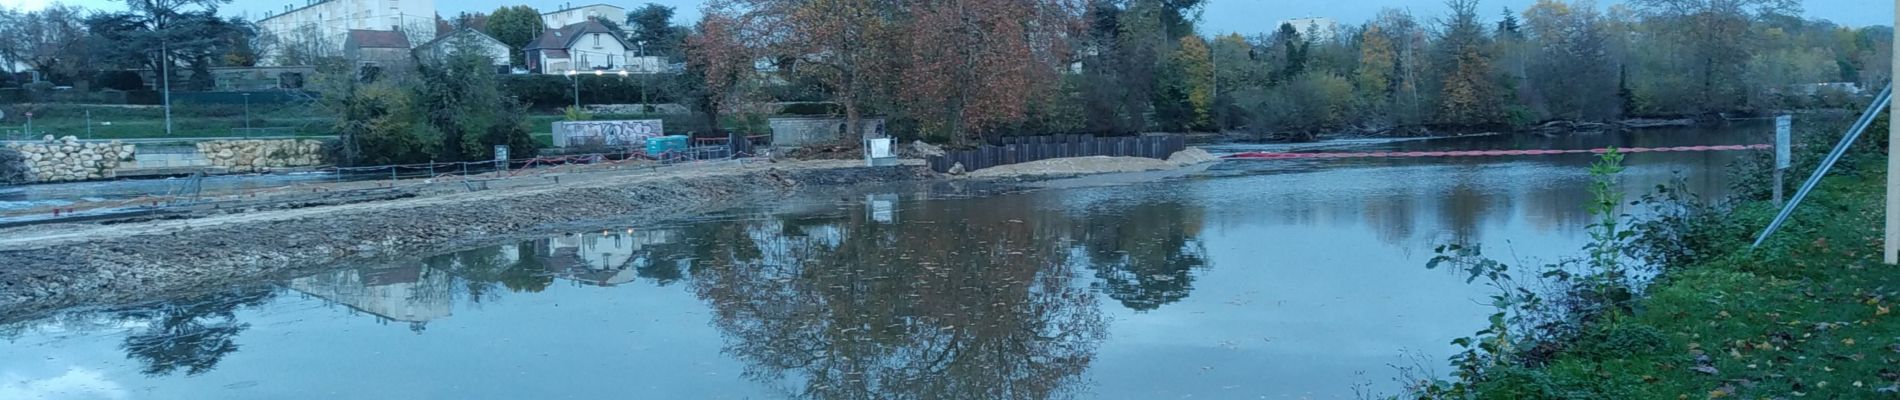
(1094, 165)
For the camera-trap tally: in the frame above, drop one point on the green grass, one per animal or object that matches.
(1806, 316)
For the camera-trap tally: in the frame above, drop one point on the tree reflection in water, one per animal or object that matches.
(959, 301)
(1145, 253)
(190, 334)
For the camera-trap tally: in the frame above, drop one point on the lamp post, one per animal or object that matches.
(643, 76)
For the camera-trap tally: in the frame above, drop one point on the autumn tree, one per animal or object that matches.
(1469, 92)
(515, 26)
(716, 64)
(975, 65)
(1186, 92)
(1378, 61)
(835, 42)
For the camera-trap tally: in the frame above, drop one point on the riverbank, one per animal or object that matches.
(93, 264)
(1807, 315)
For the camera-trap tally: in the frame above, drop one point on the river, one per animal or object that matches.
(1252, 279)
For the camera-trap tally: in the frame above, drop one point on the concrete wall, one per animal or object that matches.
(68, 159)
(260, 155)
(606, 133)
(796, 132)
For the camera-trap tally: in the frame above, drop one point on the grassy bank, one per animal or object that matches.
(1807, 315)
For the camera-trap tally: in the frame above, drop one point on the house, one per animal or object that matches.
(438, 50)
(569, 15)
(388, 50)
(327, 21)
(585, 46)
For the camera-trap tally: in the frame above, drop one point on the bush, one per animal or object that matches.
(1309, 103)
(1518, 383)
(549, 92)
(120, 80)
(1622, 340)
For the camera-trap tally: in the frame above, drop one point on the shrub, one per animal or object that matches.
(1517, 383)
(120, 80)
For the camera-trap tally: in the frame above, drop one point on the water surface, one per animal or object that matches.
(1274, 279)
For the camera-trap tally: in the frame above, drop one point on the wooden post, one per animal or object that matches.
(1893, 159)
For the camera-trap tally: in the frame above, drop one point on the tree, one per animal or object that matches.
(974, 65)
(1469, 93)
(465, 105)
(653, 24)
(716, 64)
(516, 27)
(467, 20)
(51, 41)
(1572, 64)
(1293, 47)
(1715, 41)
(157, 33)
(1186, 92)
(1378, 61)
(835, 42)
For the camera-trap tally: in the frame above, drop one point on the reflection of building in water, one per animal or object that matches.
(413, 294)
(605, 258)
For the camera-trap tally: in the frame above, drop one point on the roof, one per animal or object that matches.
(564, 38)
(581, 7)
(459, 32)
(366, 39)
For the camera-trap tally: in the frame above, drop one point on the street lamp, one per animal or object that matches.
(643, 76)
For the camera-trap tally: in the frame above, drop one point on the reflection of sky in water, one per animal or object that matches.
(1265, 281)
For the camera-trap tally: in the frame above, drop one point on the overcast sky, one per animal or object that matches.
(1220, 17)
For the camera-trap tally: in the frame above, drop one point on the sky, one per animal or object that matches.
(1246, 17)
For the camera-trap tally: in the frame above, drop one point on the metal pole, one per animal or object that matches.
(247, 114)
(643, 78)
(89, 124)
(164, 66)
(577, 89)
(1881, 101)
(1892, 246)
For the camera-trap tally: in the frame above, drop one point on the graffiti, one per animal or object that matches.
(608, 133)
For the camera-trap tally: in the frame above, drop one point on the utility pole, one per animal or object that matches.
(1892, 248)
(247, 114)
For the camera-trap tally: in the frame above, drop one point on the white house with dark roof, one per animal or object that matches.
(435, 51)
(582, 47)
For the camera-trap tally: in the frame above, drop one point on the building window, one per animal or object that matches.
(596, 40)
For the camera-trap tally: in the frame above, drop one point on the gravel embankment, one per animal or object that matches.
(42, 269)
(1094, 165)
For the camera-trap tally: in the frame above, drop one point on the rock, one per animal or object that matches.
(957, 169)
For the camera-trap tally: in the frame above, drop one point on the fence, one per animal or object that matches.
(1022, 149)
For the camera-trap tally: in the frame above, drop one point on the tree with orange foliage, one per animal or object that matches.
(719, 60)
(976, 65)
(834, 41)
